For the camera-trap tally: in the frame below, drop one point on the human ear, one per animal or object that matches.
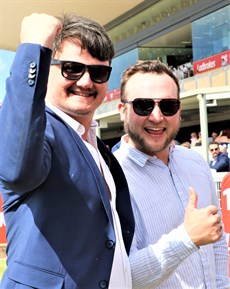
(122, 109)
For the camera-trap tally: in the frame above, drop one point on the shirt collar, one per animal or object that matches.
(76, 126)
(139, 157)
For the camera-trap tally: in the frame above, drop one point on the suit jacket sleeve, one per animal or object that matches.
(19, 136)
(222, 163)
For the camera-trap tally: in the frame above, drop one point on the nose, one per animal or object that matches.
(156, 115)
(85, 81)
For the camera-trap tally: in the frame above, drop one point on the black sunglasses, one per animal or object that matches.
(74, 70)
(144, 106)
(215, 149)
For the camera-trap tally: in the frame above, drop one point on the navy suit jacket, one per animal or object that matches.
(56, 205)
(222, 163)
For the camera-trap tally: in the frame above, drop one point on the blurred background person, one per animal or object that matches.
(220, 160)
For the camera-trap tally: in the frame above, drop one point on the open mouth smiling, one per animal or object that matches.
(156, 131)
(80, 93)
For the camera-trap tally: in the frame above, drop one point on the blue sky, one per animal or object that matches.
(6, 59)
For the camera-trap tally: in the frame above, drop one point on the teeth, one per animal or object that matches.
(79, 93)
(155, 129)
(82, 94)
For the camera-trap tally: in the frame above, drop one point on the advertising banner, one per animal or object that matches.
(212, 62)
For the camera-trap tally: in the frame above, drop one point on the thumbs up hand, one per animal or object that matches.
(202, 225)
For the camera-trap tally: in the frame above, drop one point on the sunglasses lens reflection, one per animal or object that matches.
(75, 70)
(99, 73)
(169, 107)
(144, 107)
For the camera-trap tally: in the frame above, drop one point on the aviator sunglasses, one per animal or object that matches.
(145, 106)
(74, 70)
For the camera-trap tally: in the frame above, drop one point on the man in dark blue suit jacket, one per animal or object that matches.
(220, 160)
(57, 179)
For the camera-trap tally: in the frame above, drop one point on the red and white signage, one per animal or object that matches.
(212, 62)
(113, 94)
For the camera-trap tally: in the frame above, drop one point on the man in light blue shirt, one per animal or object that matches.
(160, 175)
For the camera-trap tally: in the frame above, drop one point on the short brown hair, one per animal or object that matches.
(89, 33)
(213, 143)
(147, 66)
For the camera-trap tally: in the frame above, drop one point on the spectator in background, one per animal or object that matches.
(185, 71)
(193, 139)
(224, 61)
(180, 72)
(186, 144)
(214, 135)
(199, 140)
(223, 137)
(191, 73)
(220, 160)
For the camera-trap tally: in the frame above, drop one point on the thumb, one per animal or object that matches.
(193, 198)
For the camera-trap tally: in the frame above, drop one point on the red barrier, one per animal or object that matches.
(2, 225)
(225, 206)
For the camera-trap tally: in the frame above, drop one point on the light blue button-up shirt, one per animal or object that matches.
(160, 195)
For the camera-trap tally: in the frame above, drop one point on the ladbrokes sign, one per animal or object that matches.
(213, 62)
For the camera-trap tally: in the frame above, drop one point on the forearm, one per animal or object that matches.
(220, 165)
(154, 264)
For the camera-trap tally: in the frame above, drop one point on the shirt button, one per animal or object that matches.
(103, 284)
(110, 244)
(81, 130)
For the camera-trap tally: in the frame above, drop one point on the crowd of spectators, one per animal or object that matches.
(219, 148)
(182, 71)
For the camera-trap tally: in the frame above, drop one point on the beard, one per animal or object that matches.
(142, 145)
